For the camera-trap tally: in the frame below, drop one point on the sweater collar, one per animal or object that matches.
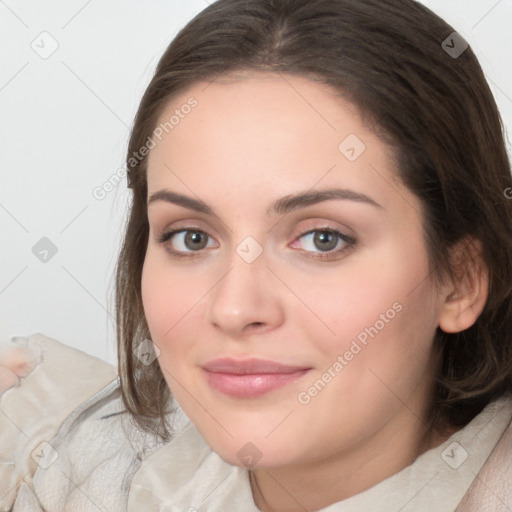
(186, 475)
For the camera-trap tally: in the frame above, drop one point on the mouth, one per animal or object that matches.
(250, 378)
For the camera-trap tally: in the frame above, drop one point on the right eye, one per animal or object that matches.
(185, 242)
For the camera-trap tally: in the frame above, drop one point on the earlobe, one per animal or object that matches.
(467, 295)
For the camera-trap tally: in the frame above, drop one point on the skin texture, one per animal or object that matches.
(247, 143)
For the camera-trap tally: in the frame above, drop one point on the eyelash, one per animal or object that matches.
(351, 242)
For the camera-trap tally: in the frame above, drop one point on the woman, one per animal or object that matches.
(314, 292)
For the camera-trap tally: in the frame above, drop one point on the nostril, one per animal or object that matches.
(256, 325)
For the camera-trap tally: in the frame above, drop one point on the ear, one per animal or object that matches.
(465, 298)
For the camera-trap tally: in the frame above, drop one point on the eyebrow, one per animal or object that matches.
(281, 206)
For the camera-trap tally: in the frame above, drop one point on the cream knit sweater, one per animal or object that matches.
(68, 445)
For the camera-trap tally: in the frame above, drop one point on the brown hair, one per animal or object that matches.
(434, 108)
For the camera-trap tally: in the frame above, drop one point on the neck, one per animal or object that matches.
(313, 486)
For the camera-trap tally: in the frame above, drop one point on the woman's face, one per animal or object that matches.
(257, 176)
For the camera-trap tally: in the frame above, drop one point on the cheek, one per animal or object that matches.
(175, 306)
(156, 295)
(368, 299)
(167, 296)
(167, 299)
(383, 314)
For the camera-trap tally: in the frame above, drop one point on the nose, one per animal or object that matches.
(246, 300)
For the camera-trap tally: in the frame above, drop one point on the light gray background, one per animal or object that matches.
(64, 128)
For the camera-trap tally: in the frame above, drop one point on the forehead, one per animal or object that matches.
(276, 132)
(267, 109)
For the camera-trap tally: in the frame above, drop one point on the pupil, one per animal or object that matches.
(195, 239)
(325, 240)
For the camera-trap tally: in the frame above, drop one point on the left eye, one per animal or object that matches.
(326, 240)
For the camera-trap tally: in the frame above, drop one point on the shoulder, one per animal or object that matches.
(90, 462)
(43, 381)
(492, 487)
(92, 457)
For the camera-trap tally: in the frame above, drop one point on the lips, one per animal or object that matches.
(249, 366)
(250, 378)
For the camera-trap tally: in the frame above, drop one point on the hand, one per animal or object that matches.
(16, 361)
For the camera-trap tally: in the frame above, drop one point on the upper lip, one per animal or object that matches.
(249, 366)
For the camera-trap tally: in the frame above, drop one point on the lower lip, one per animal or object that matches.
(251, 385)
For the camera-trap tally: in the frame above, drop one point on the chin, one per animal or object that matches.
(252, 453)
